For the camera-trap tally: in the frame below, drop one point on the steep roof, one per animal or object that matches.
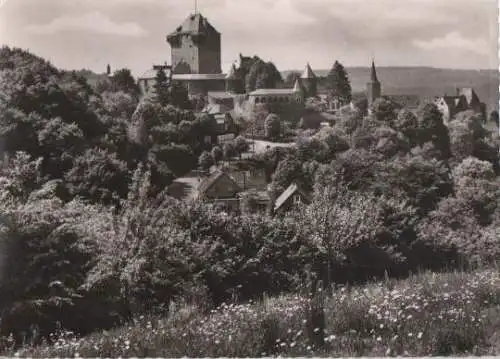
(410, 101)
(194, 24)
(469, 94)
(297, 86)
(270, 92)
(373, 73)
(308, 73)
(185, 77)
(221, 95)
(208, 182)
(289, 192)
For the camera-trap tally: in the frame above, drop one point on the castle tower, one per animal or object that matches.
(373, 87)
(196, 47)
(309, 81)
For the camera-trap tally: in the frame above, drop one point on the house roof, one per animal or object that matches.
(208, 182)
(220, 95)
(289, 192)
(405, 100)
(194, 24)
(451, 101)
(147, 75)
(263, 92)
(469, 94)
(373, 73)
(181, 77)
(308, 73)
(214, 109)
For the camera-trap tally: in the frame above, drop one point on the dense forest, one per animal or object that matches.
(90, 240)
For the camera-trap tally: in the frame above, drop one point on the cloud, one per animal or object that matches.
(91, 22)
(455, 41)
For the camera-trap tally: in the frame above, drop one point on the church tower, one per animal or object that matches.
(309, 81)
(196, 47)
(373, 87)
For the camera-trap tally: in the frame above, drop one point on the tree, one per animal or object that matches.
(407, 123)
(262, 75)
(217, 154)
(476, 185)
(384, 111)
(432, 129)
(338, 83)
(122, 80)
(205, 161)
(161, 88)
(291, 77)
(228, 150)
(98, 176)
(494, 117)
(240, 145)
(338, 220)
(272, 126)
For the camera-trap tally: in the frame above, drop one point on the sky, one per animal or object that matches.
(76, 34)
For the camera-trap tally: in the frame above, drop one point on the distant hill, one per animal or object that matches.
(426, 82)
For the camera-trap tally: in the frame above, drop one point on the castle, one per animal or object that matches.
(196, 63)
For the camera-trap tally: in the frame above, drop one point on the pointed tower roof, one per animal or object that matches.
(373, 74)
(297, 86)
(194, 24)
(308, 73)
(232, 72)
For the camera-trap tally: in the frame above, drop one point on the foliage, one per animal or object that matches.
(338, 83)
(205, 161)
(272, 126)
(262, 75)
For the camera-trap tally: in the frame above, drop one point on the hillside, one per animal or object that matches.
(426, 82)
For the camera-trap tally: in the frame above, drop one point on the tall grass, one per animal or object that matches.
(426, 314)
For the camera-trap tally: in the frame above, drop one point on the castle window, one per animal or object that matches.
(257, 100)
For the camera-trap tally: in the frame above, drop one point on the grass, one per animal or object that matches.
(426, 314)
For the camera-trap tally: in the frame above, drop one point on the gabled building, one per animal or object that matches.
(464, 99)
(220, 188)
(373, 87)
(294, 195)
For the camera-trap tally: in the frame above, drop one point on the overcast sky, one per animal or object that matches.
(78, 34)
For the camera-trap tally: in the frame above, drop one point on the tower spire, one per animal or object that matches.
(373, 75)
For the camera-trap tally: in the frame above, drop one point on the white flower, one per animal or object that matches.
(419, 336)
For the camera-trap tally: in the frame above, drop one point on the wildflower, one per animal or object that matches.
(419, 336)
(308, 347)
(410, 334)
(292, 344)
(388, 351)
(379, 339)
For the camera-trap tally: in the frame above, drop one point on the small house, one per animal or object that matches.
(294, 195)
(220, 188)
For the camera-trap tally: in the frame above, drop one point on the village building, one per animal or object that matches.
(465, 99)
(294, 195)
(195, 59)
(373, 87)
(221, 189)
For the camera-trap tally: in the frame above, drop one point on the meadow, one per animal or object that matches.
(455, 313)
